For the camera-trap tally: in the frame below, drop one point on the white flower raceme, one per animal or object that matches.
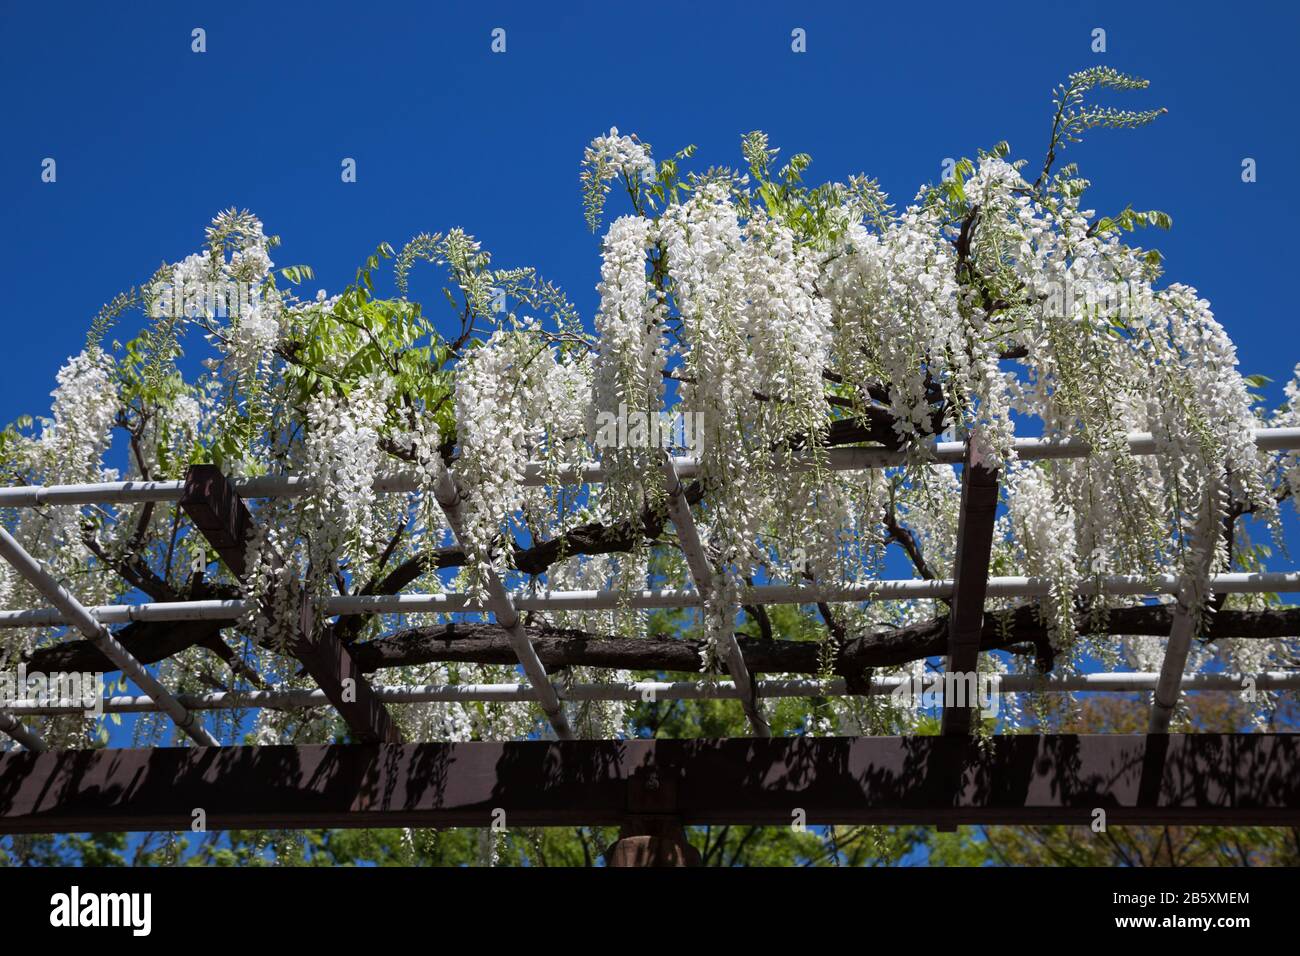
(251, 262)
(1289, 417)
(516, 400)
(896, 314)
(629, 363)
(341, 454)
(1044, 531)
(612, 154)
(70, 450)
(229, 293)
(609, 158)
(719, 620)
(706, 260)
(253, 334)
(186, 416)
(627, 370)
(74, 443)
(788, 325)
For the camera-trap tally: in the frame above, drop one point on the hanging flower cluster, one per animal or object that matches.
(1288, 416)
(225, 288)
(1045, 532)
(752, 343)
(71, 449)
(608, 158)
(896, 314)
(628, 367)
(341, 456)
(516, 401)
(777, 325)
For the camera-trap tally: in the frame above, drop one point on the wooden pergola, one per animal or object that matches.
(650, 788)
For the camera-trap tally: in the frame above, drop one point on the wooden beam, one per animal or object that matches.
(652, 834)
(220, 515)
(979, 506)
(1030, 779)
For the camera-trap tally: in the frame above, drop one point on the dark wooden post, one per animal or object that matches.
(652, 842)
(979, 506)
(653, 834)
(221, 516)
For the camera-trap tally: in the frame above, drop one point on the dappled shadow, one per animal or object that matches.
(1206, 778)
(310, 786)
(1020, 779)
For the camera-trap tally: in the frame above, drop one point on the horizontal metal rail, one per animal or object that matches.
(1264, 582)
(536, 474)
(99, 635)
(1116, 682)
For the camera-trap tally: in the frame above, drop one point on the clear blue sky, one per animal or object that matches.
(152, 139)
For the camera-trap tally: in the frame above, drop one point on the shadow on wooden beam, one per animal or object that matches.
(1222, 779)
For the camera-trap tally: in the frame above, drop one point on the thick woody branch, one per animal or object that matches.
(148, 642)
(131, 567)
(1020, 632)
(223, 519)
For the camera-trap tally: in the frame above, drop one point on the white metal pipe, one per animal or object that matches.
(1117, 682)
(701, 568)
(108, 492)
(904, 589)
(24, 735)
(1179, 645)
(1167, 690)
(1168, 687)
(100, 636)
(126, 613)
(503, 609)
(838, 459)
